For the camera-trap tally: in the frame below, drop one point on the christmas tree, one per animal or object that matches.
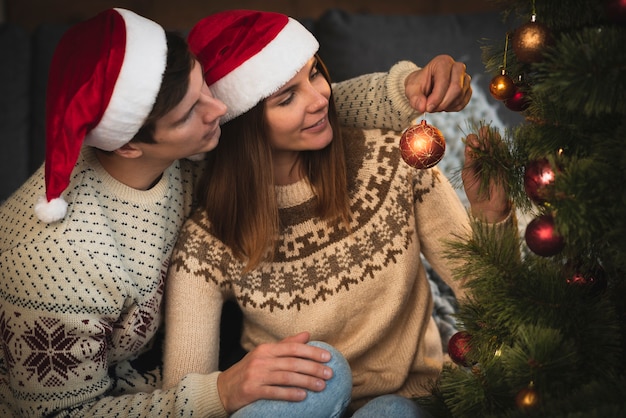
(543, 331)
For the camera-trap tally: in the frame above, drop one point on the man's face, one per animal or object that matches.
(193, 126)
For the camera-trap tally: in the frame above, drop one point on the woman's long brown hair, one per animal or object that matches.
(237, 189)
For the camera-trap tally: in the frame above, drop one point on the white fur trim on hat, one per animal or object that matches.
(266, 72)
(51, 211)
(137, 85)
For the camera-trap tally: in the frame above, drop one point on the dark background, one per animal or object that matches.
(182, 14)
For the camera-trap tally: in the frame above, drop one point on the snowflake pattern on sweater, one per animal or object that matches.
(81, 298)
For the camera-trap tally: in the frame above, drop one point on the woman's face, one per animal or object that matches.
(297, 114)
(192, 127)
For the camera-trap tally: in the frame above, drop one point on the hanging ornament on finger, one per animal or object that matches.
(422, 146)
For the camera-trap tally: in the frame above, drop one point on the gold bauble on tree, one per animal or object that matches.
(502, 87)
(528, 397)
(530, 41)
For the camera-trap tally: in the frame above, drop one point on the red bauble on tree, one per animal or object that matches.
(538, 180)
(422, 146)
(459, 346)
(542, 238)
(502, 87)
(518, 102)
(531, 40)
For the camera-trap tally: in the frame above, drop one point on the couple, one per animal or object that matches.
(83, 269)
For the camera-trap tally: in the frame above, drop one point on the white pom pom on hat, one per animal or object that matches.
(104, 78)
(248, 55)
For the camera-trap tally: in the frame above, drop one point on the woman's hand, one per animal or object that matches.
(492, 205)
(280, 371)
(442, 85)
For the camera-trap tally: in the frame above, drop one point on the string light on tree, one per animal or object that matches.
(422, 145)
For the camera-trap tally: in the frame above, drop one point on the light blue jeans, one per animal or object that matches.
(395, 406)
(329, 403)
(334, 399)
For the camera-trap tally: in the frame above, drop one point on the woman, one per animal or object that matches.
(308, 226)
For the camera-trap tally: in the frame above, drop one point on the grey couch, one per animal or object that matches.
(351, 44)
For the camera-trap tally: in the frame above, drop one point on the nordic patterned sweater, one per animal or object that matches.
(365, 292)
(80, 299)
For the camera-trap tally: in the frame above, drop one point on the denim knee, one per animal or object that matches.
(338, 389)
(329, 403)
(391, 406)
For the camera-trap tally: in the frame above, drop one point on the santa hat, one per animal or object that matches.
(248, 55)
(104, 78)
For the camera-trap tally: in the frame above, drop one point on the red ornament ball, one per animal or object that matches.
(538, 179)
(530, 41)
(502, 87)
(518, 102)
(422, 146)
(527, 398)
(542, 238)
(459, 346)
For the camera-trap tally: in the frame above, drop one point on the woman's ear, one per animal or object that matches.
(129, 150)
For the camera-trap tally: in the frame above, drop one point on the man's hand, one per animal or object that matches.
(440, 86)
(281, 371)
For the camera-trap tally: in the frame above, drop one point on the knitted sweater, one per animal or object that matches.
(364, 292)
(80, 299)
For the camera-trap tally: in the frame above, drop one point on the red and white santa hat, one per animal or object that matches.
(104, 78)
(248, 55)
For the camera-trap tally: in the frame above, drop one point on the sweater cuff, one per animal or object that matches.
(205, 399)
(397, 90)
(508, 220)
